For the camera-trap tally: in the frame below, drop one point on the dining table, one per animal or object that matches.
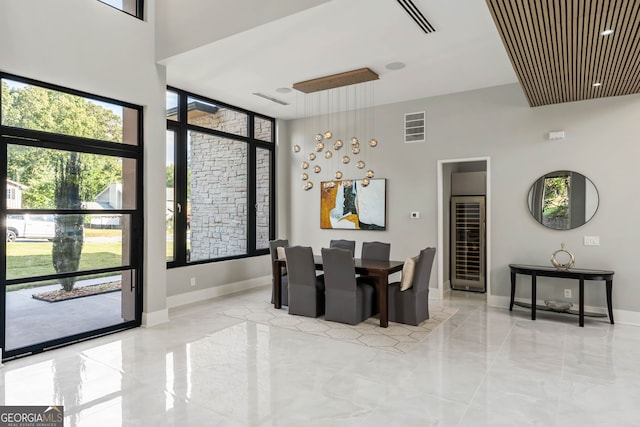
(380, 270)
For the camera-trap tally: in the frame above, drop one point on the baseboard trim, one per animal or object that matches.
(216, 291)
(623, 317)
(626, 317)
(498, 301)
(434, 295)
(154, 318)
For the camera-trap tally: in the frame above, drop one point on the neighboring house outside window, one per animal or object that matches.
(14, 194)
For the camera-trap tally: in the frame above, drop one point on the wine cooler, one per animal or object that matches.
(468, 243)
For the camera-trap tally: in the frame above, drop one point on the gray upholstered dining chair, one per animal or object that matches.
(306, 290)
(344, 244)
(284, 284)
(411, 306)
(347, 299)
(376, 250)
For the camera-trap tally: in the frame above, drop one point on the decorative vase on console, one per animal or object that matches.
(562, 266)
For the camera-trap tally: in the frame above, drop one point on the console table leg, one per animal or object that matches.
(581, 302)
(609, 305)
(513, 290)
(533, 297)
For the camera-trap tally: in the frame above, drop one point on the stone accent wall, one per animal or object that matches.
(262, 129)
(218, 188)
(224, 120)
(263, 178)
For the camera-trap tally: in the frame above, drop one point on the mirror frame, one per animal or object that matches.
(567, 183)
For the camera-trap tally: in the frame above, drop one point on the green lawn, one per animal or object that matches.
(169, 250)
(102, 232)
(26, 259)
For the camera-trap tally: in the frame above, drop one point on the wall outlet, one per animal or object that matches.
(193, 281)
(415, 215)
(567, 293)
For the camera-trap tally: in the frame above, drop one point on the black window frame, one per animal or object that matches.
(58, 141)
(181, 127)
(139, 9)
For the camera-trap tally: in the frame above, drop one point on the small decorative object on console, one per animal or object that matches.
(558, 305)
(562, 266)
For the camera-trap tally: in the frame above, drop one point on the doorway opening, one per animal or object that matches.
(446, 169)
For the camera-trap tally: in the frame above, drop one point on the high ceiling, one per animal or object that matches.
(228, 54)
(464, 53)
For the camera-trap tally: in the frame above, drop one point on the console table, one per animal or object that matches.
(574, 273)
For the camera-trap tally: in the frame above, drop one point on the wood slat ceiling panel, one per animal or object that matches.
(558, 53)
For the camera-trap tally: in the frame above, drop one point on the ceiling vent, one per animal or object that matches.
(277, 101)
(417, 16)
(414, 127)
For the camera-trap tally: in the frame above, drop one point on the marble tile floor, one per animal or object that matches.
(397, 338)
(482, 367)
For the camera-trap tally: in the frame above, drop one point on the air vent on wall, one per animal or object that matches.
(417, 16)
(414, 127)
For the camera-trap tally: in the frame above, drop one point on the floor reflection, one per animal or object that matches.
(483, 366)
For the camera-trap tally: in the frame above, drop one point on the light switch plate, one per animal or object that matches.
(591, 240)
(415, 215)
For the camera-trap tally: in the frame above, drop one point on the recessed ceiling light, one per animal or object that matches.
(395, 66)
(606, 32)
(283, 90)
(596, 84)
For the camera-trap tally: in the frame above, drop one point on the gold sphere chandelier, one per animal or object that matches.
(344, 107)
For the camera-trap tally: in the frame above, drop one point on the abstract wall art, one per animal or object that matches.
(348, 204)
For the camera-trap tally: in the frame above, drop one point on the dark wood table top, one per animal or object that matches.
(550, 271)
(364, 266)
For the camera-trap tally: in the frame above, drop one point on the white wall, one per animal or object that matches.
(89, 46)
(601, 143)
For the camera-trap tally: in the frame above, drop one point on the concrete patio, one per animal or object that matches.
(30, 321)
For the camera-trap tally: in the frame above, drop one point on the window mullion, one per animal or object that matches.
(180, 184)
(251, 191)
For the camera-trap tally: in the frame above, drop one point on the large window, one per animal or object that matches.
(71, 261)
(220, 186)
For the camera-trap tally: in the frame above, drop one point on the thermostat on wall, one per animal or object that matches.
(558, 134)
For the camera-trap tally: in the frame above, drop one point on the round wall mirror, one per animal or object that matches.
(563, 200)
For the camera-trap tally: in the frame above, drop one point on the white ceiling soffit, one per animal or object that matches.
(188, 24)
(465, 53)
